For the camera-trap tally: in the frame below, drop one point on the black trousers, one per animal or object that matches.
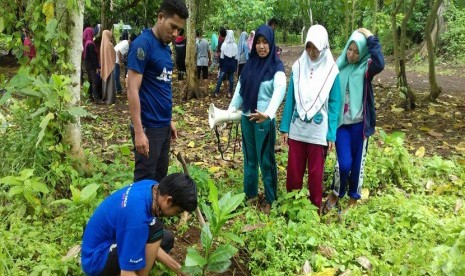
(154, 167)
(94, 81)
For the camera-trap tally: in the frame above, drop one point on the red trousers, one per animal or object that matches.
(300, 155)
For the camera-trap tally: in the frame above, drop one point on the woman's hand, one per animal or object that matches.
(331, 146)
(285, 138)
(365, 32)
(258, 117)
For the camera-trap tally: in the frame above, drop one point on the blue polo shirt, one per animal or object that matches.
(123, 219)
(152, 58)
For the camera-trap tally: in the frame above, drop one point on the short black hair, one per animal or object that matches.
(182, 189)
(132, 37)
(181, 32)
(273, 21)
(198, 32)
(171, 7)
(223, 32)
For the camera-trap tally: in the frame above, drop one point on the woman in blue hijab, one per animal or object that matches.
(260, 91)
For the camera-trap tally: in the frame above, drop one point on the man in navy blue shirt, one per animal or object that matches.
(124, 234)
(150, 94)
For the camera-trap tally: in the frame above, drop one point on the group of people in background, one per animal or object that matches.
(102, 61)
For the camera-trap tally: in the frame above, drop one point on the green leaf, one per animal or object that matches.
(75, 194)
(10, 180)
(89, 192)
(2, 24)
(51, 29)
(43, 126)
(15, 190)
(64, 201)
(25, 174)
(193, 258)
(228, 204)
(213, 197)
(219, 267)
(78, 111)
(20, 80)
(233, 237)
(192, 270)
(206, 237)
(223, 253)
(37, 186)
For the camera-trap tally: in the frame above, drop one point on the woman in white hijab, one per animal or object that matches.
(311, 113)
(228, 62)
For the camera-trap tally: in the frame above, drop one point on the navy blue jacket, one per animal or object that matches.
(228, 64)
(375, 66)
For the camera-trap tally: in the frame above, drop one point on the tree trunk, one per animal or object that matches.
(285, 35)
(192, 90)
(438, 29)
(103, 19)
(395, 36)
(410, 95)
(435, 90)
(345, 27)
(73, 25)
(374, 27)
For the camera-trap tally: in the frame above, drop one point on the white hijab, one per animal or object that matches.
(229, 47)
(313, 80)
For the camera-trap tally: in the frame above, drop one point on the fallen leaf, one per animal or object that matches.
(364, 262)
(73, 252)
(365, 193)
(458, 205)
(213, 169)
(326, 272)
(249, 228)
(420, 152)
(307, 269)
(426, 129)
(435, 134)
(429, 184)
(326, 251)
(397, 109)
(346, 273)
(191, 144)
(453, 178)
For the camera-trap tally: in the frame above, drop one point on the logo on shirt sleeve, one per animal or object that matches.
(140, 54)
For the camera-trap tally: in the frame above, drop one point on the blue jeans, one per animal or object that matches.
(220, 80)
(117, 78)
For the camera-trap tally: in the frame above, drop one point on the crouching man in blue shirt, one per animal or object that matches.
(124, 234)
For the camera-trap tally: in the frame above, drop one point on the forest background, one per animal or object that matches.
(60, 155)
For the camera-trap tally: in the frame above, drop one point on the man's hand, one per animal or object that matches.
(142, 143)
(174, 132)
(258, 117)
(285, 138)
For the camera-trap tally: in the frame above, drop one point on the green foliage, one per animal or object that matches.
(25, 191)
(452, 42)
(217, 259)
(449, 260)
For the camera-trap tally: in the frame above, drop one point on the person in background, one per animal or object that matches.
(358, 63)
(260, 91)
(90, 56)
(213, 46)
(203, 58)
(121, 49)
(242, 52)
(29, 48)
(180, 48)
(250, 40)
(125, 234)
(228, 63)
(273, 23)
(107, 60)
(132, 37)
(221, 39)
(150, 95)
(311, 113)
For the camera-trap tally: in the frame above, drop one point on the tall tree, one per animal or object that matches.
(400, 42)
(192, 90)
(72, 24)
(435, 90)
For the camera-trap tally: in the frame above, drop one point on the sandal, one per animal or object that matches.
(327, 207)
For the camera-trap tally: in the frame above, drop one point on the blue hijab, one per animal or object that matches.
(257, 70)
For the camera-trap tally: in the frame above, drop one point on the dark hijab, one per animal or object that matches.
(257, 70)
